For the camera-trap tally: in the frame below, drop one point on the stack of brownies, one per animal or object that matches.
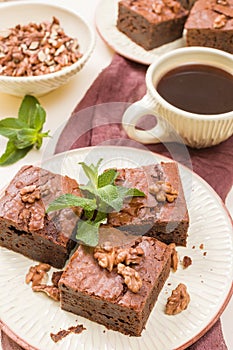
(152, 23)
(117, 282)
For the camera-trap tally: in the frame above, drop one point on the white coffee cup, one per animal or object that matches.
(174, 124)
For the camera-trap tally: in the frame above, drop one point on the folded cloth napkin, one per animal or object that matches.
(121, 83)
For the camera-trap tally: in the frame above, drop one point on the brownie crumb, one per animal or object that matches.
(56, 277)
(63, 333)
(201, 246)
(187, 261)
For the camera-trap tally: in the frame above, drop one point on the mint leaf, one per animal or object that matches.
(101, 217)
(12, 154)
(23, 132)
(101, 197)
(130, 192)
(9, 127)
(92, 192)
(40, 137)
(38, 118)
(88, 232)
(27, 110)
(107, 178)
(91, 172)
(69, 200)
(108, 195)
(25, 138)
(32, 113)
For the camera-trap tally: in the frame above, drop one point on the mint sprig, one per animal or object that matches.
(24, 132)
(100, 197)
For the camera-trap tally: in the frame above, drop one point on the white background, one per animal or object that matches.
(59, 105)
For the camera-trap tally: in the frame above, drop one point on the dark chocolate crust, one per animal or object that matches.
(148, 27)
(200, 27)
(26, 228)
(165, 221)
(93, 292)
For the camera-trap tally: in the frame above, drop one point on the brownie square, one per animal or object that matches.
(151, 23)
(101, 295)
(210, 24)
(24, 225)
(166, 220)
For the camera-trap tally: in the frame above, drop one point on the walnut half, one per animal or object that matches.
(109, 256)
(178, 301)
(129, 256)
(163, 191)
(220, 21)
(105, 256)
(131, 277)
(38, 274)
(29, 194)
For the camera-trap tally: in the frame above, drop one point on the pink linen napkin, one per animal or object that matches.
(124, 81)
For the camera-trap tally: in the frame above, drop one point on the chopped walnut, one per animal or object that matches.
(105, 256)
(174, 257)
(163, 191)
(220, 21)
(187, 261)
(157, 8)
(52, 291)
(129, 256)
(178, 301)
(222, 2)
(131, 277)
(175, 6)
(37, 274)
(109, 256)
(29, 194)
(36, 49)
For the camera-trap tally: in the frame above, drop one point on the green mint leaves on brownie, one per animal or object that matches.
(24, 132)
(100, 196)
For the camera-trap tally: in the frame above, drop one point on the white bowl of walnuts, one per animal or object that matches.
(42, 46)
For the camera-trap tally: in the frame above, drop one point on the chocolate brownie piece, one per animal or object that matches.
(103, 295)
(24, 225)
(151, 23)
(157, 215)
(210, 24)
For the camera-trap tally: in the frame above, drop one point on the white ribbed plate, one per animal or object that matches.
(106, 17)
(32, 316)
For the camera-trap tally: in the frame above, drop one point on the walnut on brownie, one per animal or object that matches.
(162, 213)
(151, 23)
(26, 228)
(116, 286)
(210, 24)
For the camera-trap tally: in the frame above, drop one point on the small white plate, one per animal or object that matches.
(106, 17)
(30, 317)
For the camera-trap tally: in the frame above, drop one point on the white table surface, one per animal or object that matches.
(59, 105)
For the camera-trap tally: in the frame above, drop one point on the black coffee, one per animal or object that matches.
(198, 89)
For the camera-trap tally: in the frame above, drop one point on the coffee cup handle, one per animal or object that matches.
(159, 133)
